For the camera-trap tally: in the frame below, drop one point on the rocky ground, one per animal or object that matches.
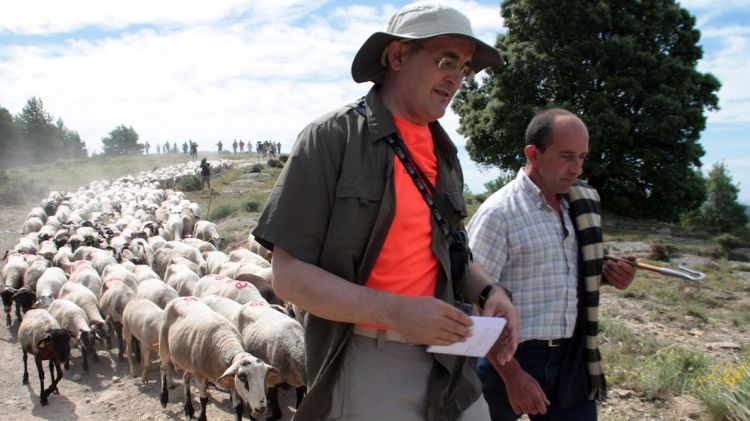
(108, 391)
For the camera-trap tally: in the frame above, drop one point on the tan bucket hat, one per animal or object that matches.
(420, 20)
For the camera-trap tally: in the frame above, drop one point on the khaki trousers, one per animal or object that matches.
(382, 380)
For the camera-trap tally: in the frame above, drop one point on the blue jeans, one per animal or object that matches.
(542, 363)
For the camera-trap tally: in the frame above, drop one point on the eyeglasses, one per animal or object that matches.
(453, 66)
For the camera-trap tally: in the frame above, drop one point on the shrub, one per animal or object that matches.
(662, 251)
(671, 372)
(189, 183)
(283, 157)
(221, 211)
(275, 163)
(726, 391)
(253, 205)
(728, 241)
(256, 168)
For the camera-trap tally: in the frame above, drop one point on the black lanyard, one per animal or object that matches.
(425, 187)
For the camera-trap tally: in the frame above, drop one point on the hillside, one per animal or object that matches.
(672, 348)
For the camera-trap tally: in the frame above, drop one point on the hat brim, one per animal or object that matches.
(367, 67)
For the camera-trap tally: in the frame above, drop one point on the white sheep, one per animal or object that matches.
(240, 291)
(202, 246)
(143, 272)
(32, 225)
(86, 299)
(34, 272)
(85, 274)
(41, 335)
(254, 246)
(207, 231)
(112, 305)
(157, 291)
(181, 278)
(280, 341)
(141, 319)
(227, 307)
(208, 347)
(12, 277)
(246, 256)
(214, 259)
(49, 284)
(72, 317)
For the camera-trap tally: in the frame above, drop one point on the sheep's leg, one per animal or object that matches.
(52, 364)
(25, 369)
(164, 398)
(203, 395)
(7, 316)
(273, 402)
(84, 355)
(189, 410)
(128, 338)
(137, 349)
(55, 380)
(145, 362)
(40, 370)
(120, 343)
(301, 392)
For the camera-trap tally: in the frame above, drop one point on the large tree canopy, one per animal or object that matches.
(628, 68)
(122, 140)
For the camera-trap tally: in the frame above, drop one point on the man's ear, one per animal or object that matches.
(394, 55)
(531, 153)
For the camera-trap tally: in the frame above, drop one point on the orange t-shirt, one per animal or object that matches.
(406, 264)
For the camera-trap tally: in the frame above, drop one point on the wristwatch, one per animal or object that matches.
(487, 290)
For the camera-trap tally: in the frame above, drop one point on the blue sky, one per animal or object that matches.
(262, 69)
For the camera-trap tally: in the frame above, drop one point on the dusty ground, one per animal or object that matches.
(108, 391)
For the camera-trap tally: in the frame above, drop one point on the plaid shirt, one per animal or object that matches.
(532, 250)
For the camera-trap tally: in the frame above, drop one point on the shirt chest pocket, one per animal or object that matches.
(458, 205)
(355, 209)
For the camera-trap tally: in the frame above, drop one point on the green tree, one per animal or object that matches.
(628, 68)
(721, 212)
(122, 140)
(73, 146)
(8, 138)
(37, 132)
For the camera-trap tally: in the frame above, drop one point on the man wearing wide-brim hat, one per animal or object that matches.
(372, 252)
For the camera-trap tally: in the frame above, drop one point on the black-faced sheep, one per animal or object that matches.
(41, 335)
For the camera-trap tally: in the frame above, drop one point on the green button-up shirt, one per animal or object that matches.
(332, 206)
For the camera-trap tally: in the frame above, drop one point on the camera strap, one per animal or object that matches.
(424, 185)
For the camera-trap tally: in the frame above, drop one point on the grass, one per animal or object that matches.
(725, 389)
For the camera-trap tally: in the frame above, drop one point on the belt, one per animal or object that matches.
(388, 335)
(550, 343)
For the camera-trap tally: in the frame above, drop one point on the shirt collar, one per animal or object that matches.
(535, 194)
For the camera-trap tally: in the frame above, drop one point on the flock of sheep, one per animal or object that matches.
(131, 259)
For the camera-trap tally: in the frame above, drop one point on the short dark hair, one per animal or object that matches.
(539, 130)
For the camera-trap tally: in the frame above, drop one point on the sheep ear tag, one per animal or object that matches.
(42, 344)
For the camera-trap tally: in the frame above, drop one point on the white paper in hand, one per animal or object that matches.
(484, 333)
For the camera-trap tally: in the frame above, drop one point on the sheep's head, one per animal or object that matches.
(25, 298)
(58, 342)
(248, 377)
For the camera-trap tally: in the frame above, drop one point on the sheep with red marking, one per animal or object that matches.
(208, 348)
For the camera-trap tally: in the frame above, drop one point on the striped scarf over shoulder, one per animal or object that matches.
(585, 209)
